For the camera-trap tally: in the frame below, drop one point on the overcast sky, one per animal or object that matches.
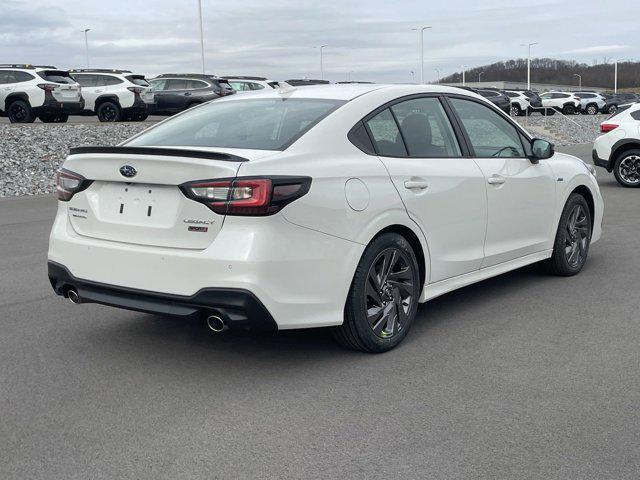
(276, 38)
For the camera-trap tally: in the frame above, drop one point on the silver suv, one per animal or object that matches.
(591, 103)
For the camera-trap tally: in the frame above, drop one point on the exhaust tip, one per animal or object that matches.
(216, 324)
(73, 296)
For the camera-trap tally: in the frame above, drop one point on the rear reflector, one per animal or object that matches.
(607, 127)
(247, 196)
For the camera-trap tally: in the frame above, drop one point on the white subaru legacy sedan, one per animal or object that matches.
(332, 205)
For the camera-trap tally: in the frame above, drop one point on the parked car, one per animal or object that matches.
(28, 92)
(306, 81)
(628, 97)
(246, 84)
(314, 211)
(591, 103)
(618, 149)
(564, 102)
(520, 103)
(176, 92)
(499, 99)
(114, 95)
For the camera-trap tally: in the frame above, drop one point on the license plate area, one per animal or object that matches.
(139, 204)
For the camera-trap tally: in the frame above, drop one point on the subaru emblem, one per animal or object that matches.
(128, 171)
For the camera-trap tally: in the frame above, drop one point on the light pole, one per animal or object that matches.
(413, 76)
(529, 45)
(579, 80)
(421, 30)
(201, 34)
(480, 76)
(438, 74)
(615, 77)
(464, 81)
(321, 66)
(349, 75)
(86, 44)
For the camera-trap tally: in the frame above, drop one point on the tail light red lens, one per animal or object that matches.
(607, 127)
(136, 90)
(47, 87)
(69, 183)
(247, 196)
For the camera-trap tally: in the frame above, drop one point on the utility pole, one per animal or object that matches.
(615, 77)
(438, 74)
(86, 44)
(421, 30)
(464, 81)
(201, 34)
(321, 65)
(529, 45)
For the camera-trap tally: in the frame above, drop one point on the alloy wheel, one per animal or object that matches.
(389, 292)
(18, 112)
(577, 236)
(629, 169)
(108, 113)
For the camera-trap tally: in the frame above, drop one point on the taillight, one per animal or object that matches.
(47, 87)
(248, 196)
(136, 90)
(607, 127)
(69, 183)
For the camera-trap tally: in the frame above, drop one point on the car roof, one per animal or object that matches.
(347, 92)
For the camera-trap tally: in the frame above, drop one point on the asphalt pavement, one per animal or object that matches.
(521, 376)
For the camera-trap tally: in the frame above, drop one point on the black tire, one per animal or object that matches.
(516, 110)
(140, 117)
(626, 168)
(573, 238)
(612, 109)
(109, 112)
(569, 110)
(592, 109)
(547, 112)
(57, 118)
(376, 322)
(19, 111)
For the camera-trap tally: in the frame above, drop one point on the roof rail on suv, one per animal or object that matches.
(99, 70)
(244, 77)
(25, 66)
(186, 75)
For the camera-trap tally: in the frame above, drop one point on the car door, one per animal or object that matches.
(175, 95)
(520, 193)
(442, 190)
(7, 85)
(88, 82)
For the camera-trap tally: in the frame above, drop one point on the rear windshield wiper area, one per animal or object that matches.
(165, 152)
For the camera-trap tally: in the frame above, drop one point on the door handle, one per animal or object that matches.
(187, 94)
(496, 180)
(416, 185)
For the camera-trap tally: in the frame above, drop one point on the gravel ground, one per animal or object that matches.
(564, 130)
(30, 155)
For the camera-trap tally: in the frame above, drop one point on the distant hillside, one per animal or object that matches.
(547, 70)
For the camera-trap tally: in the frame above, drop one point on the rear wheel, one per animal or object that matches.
(20, 111)
(108, 112)
(612, 109)
(383, 298)
(516, 111)
(627, 169)
(573, 237)
(569, 109)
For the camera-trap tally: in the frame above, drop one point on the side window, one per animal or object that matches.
(255, 86)
(360, 138)
(9, 77)
(490, 134)
(176, 84)
(195, 84)
(157, 85)
(386, 135)
(635, 115)
(85, 80)
(426, 129)
(240, 86)
(546, 96)
(109, 80)
(22, 76)
(100, 80)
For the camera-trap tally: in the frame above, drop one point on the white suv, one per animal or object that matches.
(564, 102)
(250, 84)
(332, 205)
(591, 103)
(618, 150)
(520, 103)
(28, 92)
(114, 95)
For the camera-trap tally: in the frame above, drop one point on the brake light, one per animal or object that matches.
(47, 87)
(136, 90)
(69, 183)
(247, 196)
(607, 127)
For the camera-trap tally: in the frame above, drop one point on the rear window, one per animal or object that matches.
(56, 76)
(137, 80)
(263, 124)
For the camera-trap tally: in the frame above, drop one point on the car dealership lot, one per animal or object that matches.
(522, 376)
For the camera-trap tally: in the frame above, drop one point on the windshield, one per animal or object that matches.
(263, 124)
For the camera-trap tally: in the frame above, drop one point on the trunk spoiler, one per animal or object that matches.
(168, 152)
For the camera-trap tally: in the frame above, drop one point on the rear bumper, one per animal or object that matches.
(599, 161)
(51, 105)
(239, 308)
(138, 107)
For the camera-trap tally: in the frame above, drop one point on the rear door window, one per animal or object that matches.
(425, 128)
(386, 136)
(86, 80)
(196, 84)
(176, 84)
(23, 77)
(107, 80)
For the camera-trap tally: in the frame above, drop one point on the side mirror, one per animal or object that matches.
(541, 150)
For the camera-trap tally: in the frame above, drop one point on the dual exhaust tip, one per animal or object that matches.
(215, 323)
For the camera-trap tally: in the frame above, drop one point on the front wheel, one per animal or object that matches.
(108, 112)
(627, 169)
(516, 111)
(592, 110)
(573, 238)
(612, 109)
(20, 111)
(569, 110)
(383, 298)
